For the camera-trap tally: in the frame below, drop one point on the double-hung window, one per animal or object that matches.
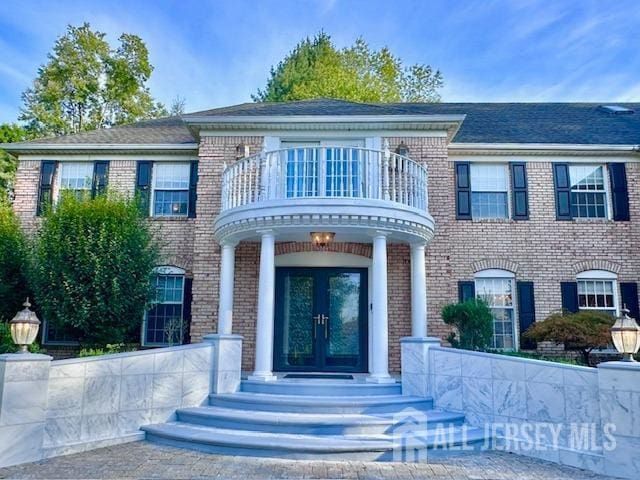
(496, 288)
(489, 190)
(76, 178)
(588, 191)
(171, 189)
(597, 290)
(164, 323)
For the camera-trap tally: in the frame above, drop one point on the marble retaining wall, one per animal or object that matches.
(579, 416)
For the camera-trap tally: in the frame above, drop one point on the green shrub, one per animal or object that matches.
(93, 265)
(109, 349)
(13, 263)
(538, 356)
(473, 322)
(582, 331)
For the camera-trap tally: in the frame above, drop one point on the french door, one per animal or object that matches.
(321, 319)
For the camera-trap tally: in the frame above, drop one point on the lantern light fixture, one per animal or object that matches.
(322, 239)
(24, 328)
(626, 336)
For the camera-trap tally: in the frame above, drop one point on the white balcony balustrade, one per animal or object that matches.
(325, 172)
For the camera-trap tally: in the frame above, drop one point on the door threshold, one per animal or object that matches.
(327, 376)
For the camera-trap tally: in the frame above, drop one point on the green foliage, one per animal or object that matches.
(93, 266)
(9, 132)
(86, 84)
(582, 331)
(7, 345)
(538, 356)
(473, 322)
(108, 349)
(13, 263)
(316, 68)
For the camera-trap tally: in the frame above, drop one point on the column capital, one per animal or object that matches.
(267, 232)
(379, 233)
(418, 245)
(229, 244)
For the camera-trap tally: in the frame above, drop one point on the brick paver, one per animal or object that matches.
(142, 460)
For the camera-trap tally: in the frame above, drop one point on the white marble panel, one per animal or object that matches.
(229, 353)
(624, 460)
(169, 362)
(616, 408)
(477, 395)
(582, 404)
(414, 358)
(545, 402)
(62, 431)
(448, 392)
(507, 369)
(167, 390)
(509, 398)
(65, 397)
(131, 421)
(21, 443)
(161, 415)
(415, 384)
(195, 388)
(581, 378)
(198, 359)
(136, 392)
(23, 402)
(104, 367)
(619, 379)
(585, 461)
(535, 372)
(476, 366)
(225, 381)
(446, 363)
(67, 370)
(101, 395)
(138, 364)
(26, 371)
(95, 427)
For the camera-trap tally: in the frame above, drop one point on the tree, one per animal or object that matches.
(13, 263)
(316, 68)
(581, 331)
(473, 322)
(86, 84)
(178, 105)
(93, 265)
(9, 132)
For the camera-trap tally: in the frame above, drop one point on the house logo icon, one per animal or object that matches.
(410, 436)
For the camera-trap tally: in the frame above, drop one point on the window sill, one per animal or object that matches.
(592, 220)
(492, 220)
(168, 218)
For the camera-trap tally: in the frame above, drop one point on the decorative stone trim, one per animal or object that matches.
(597, 264)
(361, 249)
(494, 263)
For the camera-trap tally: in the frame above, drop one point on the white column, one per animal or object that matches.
(225, 305)
(264, 325)
(380, 321)
(418, 292)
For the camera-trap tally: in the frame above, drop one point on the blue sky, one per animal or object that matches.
(218, 52)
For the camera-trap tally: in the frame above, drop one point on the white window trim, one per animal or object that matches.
(607, 190)
(55, 343)
(506, 275)
(152, 201)
(162, 270)
(57, 182)
(509, 193)
(602, 275)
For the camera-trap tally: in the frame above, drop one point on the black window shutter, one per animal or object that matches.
(193, 184)
(519, 191)
(187, 299)
(466, 290)
(569, 292)
(563, 191)
(629, 297)
(143, 185)
(45, 193)
(100, 177)
(463, 191)
(526, 312)
(619, 191)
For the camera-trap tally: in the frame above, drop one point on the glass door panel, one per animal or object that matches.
(343, 345)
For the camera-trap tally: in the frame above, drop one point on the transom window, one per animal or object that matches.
(76, 177)
(496, 287)
(171, 189)
(588, 191)
(164, 323)
(489, 191)
(597, 291)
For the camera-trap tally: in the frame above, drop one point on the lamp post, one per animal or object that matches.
(626, 336)
(24, 328)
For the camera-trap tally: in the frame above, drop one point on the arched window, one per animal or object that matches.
(497, 288)
(164, 322)
(598, 290)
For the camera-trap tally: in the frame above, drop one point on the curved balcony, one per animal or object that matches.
(345, 188)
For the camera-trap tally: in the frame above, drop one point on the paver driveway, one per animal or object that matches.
(146, 460)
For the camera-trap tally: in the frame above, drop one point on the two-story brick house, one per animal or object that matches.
(323, 231)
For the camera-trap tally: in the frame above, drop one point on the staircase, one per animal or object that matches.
(318, 419)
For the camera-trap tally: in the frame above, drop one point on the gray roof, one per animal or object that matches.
(561, 123)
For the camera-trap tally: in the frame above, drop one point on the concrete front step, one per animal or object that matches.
(282, 445)
(310, 404)
(321, 388)
(317, 423)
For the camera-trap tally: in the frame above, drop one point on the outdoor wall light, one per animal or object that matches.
(402, 149)
(322, 239)
(24, 328)
(626, 336)
(242, 151)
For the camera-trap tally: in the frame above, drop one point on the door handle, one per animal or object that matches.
(325, 321)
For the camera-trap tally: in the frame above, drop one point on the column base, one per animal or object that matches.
(262, 377)
(380, 379)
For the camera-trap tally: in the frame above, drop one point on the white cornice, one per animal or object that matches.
(541, 149)
(116, 148)
(319, 119)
